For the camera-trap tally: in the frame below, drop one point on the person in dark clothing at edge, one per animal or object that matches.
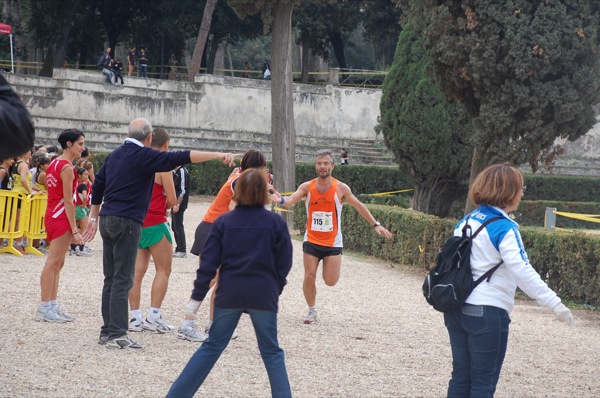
(181, 178)
(16, 125)
(122, 204)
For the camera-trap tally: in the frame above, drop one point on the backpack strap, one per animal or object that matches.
(491, 220)
(489, 272)
(487, 275)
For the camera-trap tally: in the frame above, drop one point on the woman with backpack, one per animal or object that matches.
(479, 330)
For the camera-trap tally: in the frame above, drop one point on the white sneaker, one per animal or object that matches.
(48, 316)
(136, 324)
(61, 313)
(191, 333)
(179, 255)
(157, 325)
(311, 317)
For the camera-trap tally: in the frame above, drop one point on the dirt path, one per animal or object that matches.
(376, 338)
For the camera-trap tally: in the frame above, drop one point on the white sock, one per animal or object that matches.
(137, 314)
(313, 308)
(53, 303)
(45, 305)
(186, 323)
(154, 313)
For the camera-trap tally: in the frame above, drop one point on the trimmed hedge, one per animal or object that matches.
(532, 213)
(562, 188)
(568, 261)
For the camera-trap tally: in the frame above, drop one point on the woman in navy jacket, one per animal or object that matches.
(253, 248)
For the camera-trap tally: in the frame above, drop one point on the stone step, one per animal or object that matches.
(106, 136)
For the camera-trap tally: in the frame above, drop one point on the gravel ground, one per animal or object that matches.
(376, 338)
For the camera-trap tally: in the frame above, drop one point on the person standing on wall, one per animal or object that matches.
(142, 64)
(181, 178)
(131, 57)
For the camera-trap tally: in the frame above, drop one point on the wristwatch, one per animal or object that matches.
(93, 219)
(377, 224)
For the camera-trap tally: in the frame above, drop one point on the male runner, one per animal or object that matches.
(323, 237)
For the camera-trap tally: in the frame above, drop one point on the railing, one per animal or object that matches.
(345, 77)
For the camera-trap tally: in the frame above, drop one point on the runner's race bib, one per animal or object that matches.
(322, 221)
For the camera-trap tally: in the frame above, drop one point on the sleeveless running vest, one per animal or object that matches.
(157, 212)
(324, 216)
(17, 186)
(56, 200)
(220, 205)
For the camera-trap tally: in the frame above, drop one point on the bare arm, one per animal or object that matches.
(67, 177)
(92, 226)
(227, 158)
(166, 179)
(347, 196)
(291, 200)
(23, 173)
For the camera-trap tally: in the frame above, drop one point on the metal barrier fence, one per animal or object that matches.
(347, 77)
(22, 216)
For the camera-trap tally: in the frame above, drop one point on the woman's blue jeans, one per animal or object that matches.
(478, 338)
(224, 324)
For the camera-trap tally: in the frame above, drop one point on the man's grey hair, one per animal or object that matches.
(325, 152)
(139, 129)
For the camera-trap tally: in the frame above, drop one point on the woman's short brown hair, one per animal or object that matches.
(253, 158)
(251, 188)
(497, 185)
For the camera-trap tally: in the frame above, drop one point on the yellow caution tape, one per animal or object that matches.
(391, 192)
(276, 208)
(582, 217)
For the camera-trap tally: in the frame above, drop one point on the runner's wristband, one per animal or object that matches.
(282, 200)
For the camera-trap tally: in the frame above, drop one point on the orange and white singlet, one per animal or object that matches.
(324, 216)
(220, 205)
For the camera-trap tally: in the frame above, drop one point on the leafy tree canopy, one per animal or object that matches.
(527, 71)
(427, 135)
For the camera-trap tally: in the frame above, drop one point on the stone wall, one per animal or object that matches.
(214, 113)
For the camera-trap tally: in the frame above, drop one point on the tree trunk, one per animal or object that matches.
(212, 57)
(47, 69)
(438, 198)
(283, 131)
(305, 62)
(209, 9)
(476, 167)
(337, 42)
(228, 49)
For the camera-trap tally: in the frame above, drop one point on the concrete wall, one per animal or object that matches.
(213, 107)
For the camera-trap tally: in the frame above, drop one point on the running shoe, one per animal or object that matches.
(122, 343)
(311, 317)
(48, 316)
(82, 253)
(179, 255)
(157, 325)
(61, 313)
(103, 339)
(136, 324)
(191, 333)
(19, 247)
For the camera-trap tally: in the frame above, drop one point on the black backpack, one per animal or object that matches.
(450, 283)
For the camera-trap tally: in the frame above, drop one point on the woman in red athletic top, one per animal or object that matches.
(60, 223)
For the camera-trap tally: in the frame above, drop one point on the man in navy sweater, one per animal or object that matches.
(123, 187)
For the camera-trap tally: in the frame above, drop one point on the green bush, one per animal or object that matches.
(562, 188)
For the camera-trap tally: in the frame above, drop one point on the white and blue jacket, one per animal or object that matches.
(501, 241)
